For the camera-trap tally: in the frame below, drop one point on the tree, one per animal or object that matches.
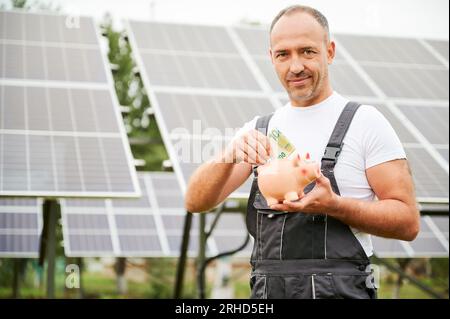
(142, 129)
(32, 5)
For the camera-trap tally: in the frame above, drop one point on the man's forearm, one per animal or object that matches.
(385, 218)
(205, 185)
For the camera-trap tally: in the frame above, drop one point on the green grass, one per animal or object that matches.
(407, 291)
(158, 282)
(98, 286)
(386, 290)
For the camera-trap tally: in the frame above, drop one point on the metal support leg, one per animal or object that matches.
(183, 256)
(19, 264)
(48, 244)
(80, 290)
(121, 264)
(201, 256)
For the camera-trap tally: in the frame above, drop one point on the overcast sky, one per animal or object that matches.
(410, 18)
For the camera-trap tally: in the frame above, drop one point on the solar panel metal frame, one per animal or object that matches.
(108, 87)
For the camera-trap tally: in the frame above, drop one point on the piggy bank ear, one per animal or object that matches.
(296, 161)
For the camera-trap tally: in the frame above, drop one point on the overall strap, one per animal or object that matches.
(262, 125)
(335, 144)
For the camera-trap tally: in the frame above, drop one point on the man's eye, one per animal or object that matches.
(309, 52)
(280, 55)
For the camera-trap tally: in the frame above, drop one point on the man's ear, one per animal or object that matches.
(270, 53)
(331, 51)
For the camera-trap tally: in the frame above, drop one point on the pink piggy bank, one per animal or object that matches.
(286, 178)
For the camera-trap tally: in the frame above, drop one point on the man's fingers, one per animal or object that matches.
(257, 145)
(263, 142)
(298, 204)
(254, 149)
(322, 179)
(280, 207)
(259, 150)
(288, 206)
(249, 154)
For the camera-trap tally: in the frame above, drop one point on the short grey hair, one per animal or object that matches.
(316, 14)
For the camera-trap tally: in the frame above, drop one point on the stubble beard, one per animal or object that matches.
(312, 92)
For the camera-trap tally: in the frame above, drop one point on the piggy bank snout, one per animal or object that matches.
(308, 172)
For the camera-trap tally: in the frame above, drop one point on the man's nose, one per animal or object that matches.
(296, 66)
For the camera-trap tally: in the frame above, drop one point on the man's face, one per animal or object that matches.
(301, 52)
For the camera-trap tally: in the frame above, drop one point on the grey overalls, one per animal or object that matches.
(299, 255)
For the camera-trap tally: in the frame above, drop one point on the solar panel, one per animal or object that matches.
(61, 133)
(218, 111)
(444, 153)
(431, 120)
(231, 232)
(205, 82)
(432, 241)
(442, 224)
(430, 180)
(26, 62)
(346, 81)
(174, 37)
(205, 71)
(209, 115)
(147, 227)
(440, 46)
(150, 226)
(387, 50)
(403, 133)
(401, 76)
(389, 248)
(20, 227)
(411, 82)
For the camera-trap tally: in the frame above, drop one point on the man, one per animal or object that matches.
(318, 246)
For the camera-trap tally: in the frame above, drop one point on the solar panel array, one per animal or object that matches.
(61, 132)
(221, 77)
(148, 227)
(20, 227)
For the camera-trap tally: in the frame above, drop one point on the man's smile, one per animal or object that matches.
(299, 81)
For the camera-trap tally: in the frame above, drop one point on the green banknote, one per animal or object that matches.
(283, 148)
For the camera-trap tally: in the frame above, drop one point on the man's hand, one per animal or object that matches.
(321, 199)
(393, 215)
(252, 147)
(214, 180)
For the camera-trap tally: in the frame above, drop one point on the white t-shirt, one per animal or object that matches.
(370, 140)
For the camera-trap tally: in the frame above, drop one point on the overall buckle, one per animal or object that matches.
(331, 153)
